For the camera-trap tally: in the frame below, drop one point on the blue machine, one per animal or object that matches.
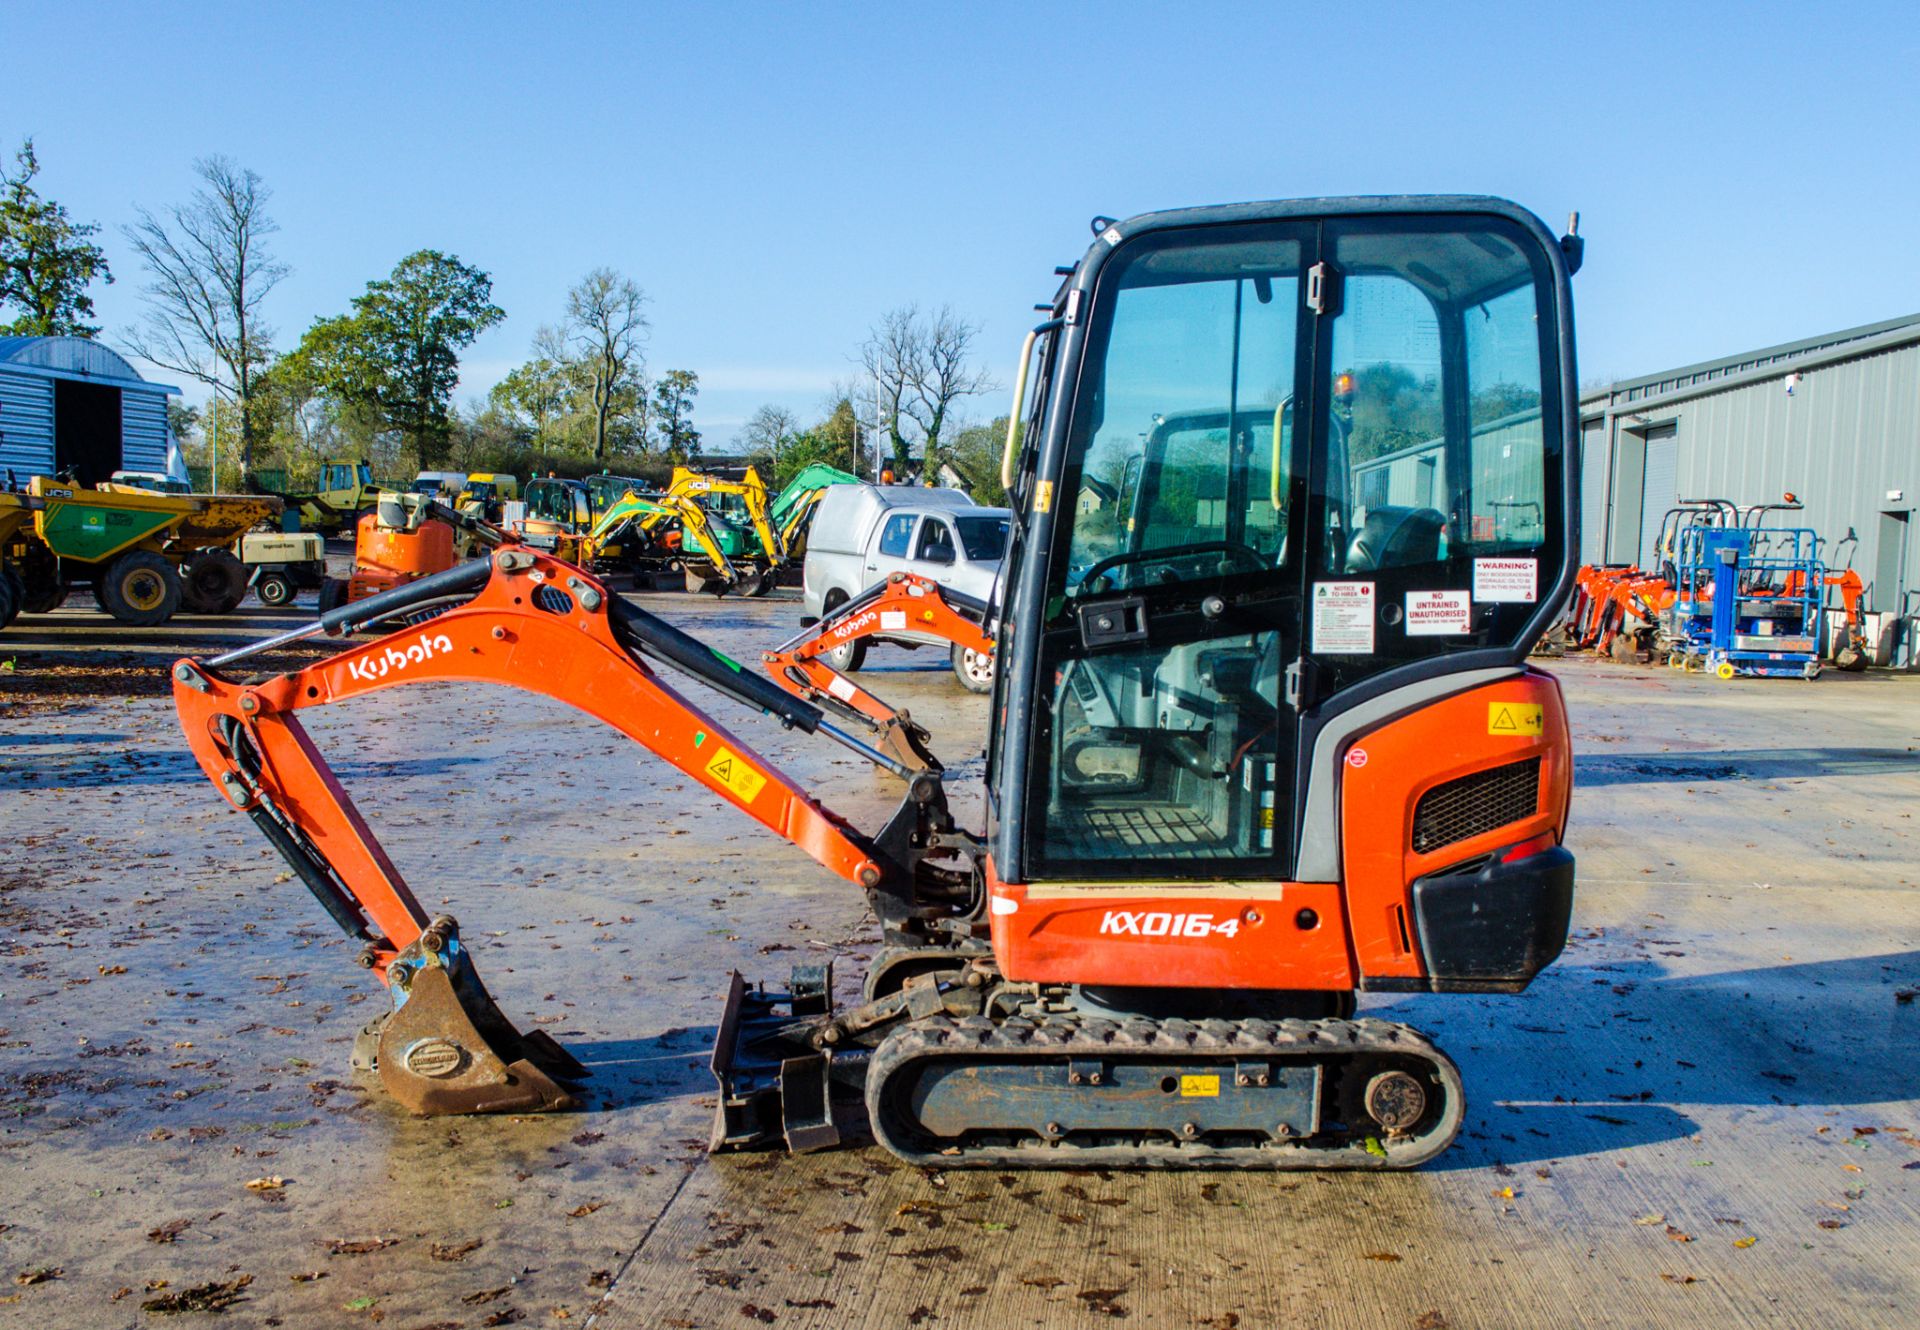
(1747, 598)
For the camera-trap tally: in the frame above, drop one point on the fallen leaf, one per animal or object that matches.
(308, 1277)
(360, 1304)
(113, 969)
(1832, 1223)
(450, 1252)
(1851, 1168)
(38, 1275)
(1504, 1194)
(169, 1231)
(1680, 1279)
(1676, 1235)
(582, 1211)
(487, 1295)
(1430, 1320)
(1648, 1221)
(1744, 1243)
(345, 1247)
(213, 1296)
(1382, 1256)
(267, 1184)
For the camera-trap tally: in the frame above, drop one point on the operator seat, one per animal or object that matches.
(1393, 537)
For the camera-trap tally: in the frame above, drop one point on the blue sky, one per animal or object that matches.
(778, 176)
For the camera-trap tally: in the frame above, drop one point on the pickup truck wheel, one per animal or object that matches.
(274, 590)
(973, 670)
(141, 589)
(848, 656)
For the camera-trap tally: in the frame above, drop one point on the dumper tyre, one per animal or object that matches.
(9, 598)
(44, 596)
(973, 669)
(141, 589)
(274, 590)
(333, 594)
(212, 582)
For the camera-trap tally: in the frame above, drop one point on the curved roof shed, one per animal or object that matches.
(70, 403)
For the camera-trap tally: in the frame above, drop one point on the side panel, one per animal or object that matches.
(1388, 770)
(1253, 935)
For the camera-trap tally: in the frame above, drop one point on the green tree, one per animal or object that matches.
(976, 456)
(673, 411)
(1391, 408)
(397, 356)
(47, 261)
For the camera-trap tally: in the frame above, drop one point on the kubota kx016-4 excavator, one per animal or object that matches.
(1269, 742)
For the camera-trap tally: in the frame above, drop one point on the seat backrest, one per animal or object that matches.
(1392, 537)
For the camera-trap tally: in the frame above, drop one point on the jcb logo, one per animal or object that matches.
(367, 669)
(1155, 923)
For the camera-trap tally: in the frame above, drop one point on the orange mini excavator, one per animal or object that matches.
(902, 602)
(1263, 737)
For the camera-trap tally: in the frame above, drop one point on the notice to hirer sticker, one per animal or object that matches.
(1506, 579)
(1437, 613)
(1343, 618)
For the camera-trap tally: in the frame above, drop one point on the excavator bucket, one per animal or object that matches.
(446, 1047)
(899, 738)
(773, 1082)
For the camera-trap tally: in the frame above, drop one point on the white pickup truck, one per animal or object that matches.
(862, 533)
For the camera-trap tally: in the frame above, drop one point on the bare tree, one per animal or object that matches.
(891, 356)
(210, 272)
(918, 366)
(942, 376)
(605, 325)
(768, 429)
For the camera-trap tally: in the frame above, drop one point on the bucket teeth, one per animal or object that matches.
(447, 1048)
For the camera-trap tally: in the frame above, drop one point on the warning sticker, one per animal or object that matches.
(1506, 580)
(1343, 618)
(1199, 1087)
(736, 774)
(841, 687)
(1434, 613)
(1520, 719)
(892, 620)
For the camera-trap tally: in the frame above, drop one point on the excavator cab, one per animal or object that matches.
(1263, 720)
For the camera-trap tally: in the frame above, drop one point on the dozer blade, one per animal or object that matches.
(906, 742)
(772, 1080)
(446, 1047)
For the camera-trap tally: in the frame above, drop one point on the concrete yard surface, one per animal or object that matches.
(1707, 1113)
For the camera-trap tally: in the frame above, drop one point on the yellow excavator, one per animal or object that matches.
(742, 502)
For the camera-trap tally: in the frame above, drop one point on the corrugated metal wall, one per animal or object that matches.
(143, 430)
(1849, 433)
(26, 425)
(1596, 467)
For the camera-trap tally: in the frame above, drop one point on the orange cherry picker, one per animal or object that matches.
(1264, 734)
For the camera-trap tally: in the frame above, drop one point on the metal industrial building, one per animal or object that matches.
(1834, 420)
(71, 404)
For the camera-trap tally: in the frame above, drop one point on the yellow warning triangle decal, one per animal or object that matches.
(1504, 721)
(724, 768)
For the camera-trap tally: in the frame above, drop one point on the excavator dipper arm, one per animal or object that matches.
(534, 623)
(903, 602)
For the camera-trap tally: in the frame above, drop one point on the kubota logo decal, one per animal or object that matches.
(852, 626)
(367, 669)
(1155, 923)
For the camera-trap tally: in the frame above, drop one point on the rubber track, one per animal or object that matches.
(1074, 1036)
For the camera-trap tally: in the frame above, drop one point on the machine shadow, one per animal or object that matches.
(631, 1073)
(1596, 769)
(1596, 1058)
